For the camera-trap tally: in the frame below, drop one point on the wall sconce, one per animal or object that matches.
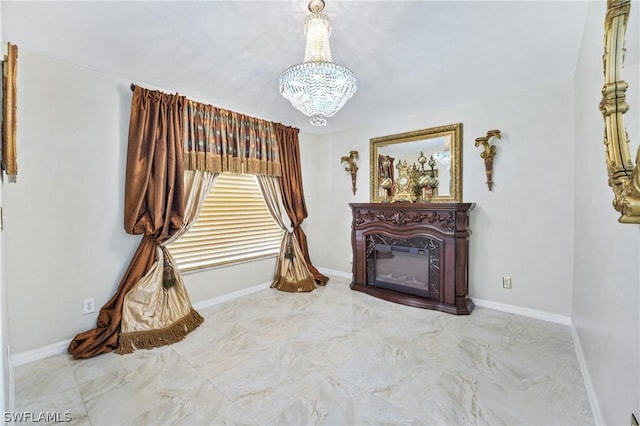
(489, 151)
(353, 167)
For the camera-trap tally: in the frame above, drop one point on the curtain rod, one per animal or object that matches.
(133, 86)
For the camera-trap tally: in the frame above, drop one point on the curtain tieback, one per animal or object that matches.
(288, 251)
(168, 273)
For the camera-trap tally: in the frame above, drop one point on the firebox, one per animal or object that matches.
(404, 269)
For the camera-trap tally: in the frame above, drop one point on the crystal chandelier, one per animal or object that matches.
(444, 157)
(317, 87)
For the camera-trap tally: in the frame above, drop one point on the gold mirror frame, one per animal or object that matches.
(9, 97)
(624, 175)
(452, 131)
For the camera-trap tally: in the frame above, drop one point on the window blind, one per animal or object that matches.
(234, 226)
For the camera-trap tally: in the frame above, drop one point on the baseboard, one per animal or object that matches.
(26, 357)
(588, 384)
(526, 312)
(60, 348)
(336, 273)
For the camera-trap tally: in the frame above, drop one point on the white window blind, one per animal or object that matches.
(234, 226)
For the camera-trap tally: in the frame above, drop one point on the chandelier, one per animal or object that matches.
(317, 87)
(444, 156)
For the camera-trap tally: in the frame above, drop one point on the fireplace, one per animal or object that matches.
(414, 254)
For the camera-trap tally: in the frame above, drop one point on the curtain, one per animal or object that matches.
(292, 273)
(386, 170)
(169, 134)
(156, 311)
(154, 207)
(219, 141)
(292, 192)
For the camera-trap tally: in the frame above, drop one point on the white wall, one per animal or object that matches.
(64, 218)
(606, 296)
(522, 228)
(5, 371)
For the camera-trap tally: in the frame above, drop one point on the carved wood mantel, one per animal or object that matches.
(444, 225)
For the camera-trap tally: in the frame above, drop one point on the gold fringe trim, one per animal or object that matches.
(263, 167)
(128, 342)
(225, 163)
(303, 286)
(276, 168)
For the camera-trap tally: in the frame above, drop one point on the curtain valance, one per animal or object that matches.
(218, 140)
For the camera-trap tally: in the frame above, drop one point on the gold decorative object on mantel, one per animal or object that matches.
(624, 175)
(353, 167)
(9, 97)
(488, 153)
(404, 185)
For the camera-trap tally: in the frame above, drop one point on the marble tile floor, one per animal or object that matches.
(329, 357)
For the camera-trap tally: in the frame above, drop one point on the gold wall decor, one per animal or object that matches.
(9, 96)
(443, 143)
(352, 167)
(624, 175)
(488, 153)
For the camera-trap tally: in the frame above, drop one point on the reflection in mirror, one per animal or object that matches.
(430, 158)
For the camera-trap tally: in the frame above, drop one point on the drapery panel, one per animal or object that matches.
(292, 273)
(220, 141)
(156, 312)
(292, 192)
(154, 207)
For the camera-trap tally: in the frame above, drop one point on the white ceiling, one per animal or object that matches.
(408, 56)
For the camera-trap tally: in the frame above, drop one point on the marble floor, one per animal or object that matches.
(332, 357)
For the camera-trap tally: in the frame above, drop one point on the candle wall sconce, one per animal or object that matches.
(488, 153)
(352, 167)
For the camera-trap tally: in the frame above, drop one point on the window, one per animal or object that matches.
(234, 226)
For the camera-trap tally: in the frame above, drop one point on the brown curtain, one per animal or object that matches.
(152, 314)
(386, 171)
(154, 206)
(292, 192)
(292, 273)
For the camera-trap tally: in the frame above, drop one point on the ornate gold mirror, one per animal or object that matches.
(421, 166)
(624, 175)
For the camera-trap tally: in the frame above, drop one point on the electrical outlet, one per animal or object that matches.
(506, 282)
(88, 306)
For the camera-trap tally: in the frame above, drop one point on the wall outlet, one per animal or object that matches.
(506, 282)
(88, 306)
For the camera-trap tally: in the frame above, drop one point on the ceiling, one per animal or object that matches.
(408, 56)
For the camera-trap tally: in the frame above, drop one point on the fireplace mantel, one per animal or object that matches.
(443, 229)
